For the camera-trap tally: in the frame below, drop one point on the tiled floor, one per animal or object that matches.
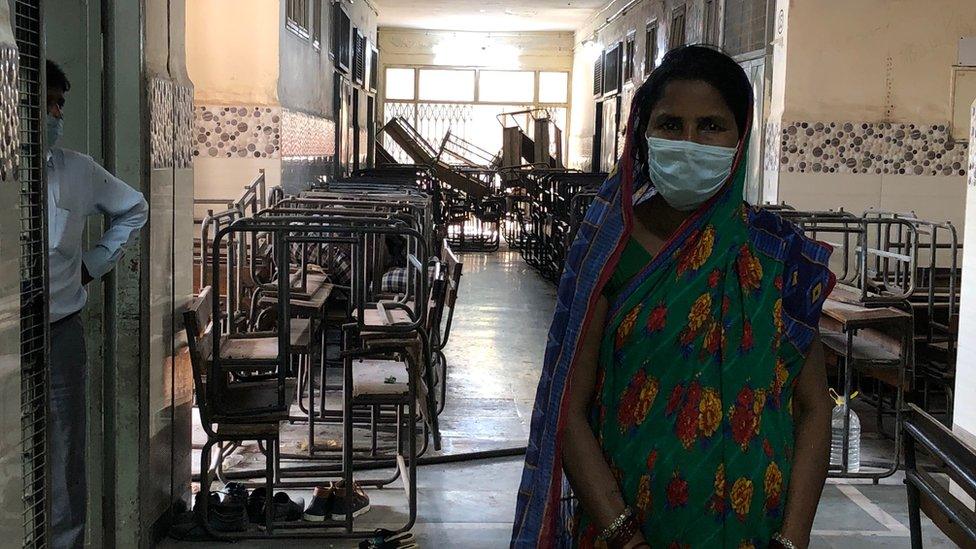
(494, 355)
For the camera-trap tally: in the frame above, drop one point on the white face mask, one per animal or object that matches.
(686, 173)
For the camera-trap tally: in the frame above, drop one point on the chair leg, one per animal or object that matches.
(205, 482)
(270, 458)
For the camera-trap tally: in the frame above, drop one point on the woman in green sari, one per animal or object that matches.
(695, 409)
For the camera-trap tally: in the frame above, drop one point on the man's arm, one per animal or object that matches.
(127, 211)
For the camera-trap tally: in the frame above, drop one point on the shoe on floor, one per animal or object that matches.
(224, 516)
(359, 502)
(255, 504)
(320, 506)
(386, 539)
(285, 509)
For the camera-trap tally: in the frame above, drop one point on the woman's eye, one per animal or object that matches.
(712, 127)
(670, 126)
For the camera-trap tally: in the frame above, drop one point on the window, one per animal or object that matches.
(677, 37)
(744, 26)
(297, 16)
(598, 75)
(611, 69)
(629, 54)
(446, 85)
(506, 86)
(553, 87)
(399, 84)
(711, 22)
(374, 67)
(341, 39)
(650, 49)
(317, 24)
(359, 57)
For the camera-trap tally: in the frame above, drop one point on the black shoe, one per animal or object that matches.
(385, 539)
(236, 494)
(320, 506)
(223, 516)
(359, 502)
(286, 509)
(255, 504)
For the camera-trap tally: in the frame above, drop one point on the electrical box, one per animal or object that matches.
(967, 52)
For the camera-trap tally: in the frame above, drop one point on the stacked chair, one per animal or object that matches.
(890, 326)
(284, 281)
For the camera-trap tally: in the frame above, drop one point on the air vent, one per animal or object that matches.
(598, 76)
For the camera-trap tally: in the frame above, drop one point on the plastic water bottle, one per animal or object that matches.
(837, 435)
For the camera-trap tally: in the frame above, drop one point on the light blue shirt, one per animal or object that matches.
(78, 187)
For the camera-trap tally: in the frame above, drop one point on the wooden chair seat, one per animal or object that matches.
(387, 317)
(265, 347)
(310, 306)
(250, 431)
(369, 380)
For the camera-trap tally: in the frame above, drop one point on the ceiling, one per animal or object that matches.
(487, 15)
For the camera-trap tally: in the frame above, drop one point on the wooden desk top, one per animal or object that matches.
(851, 315)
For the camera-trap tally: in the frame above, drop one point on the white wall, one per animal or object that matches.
(964, 414)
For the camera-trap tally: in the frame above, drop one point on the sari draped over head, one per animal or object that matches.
(700, 353)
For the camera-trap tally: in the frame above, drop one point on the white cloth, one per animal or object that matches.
(78, 187)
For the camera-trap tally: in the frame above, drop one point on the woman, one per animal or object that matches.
(683, 391)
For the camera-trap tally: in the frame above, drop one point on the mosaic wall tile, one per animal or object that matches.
(183, 126)
(306, 136)
(868, 148)
(237, 131)
(771, 146)
(161, 123)
(9, 119)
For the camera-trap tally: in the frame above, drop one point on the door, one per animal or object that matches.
(756, 70)
(608, 140)
(596, 153)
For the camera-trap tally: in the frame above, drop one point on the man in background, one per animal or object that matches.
(77, 187)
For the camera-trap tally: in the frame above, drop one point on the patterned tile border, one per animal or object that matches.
(864, 148)
(183, 126)
(161, 123)
(306, 136)
(237, 131)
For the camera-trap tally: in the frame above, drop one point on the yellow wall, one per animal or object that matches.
(232, 51)
(873, 60)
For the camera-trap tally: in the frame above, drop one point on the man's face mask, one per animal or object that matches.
(686, 173)
(55, 129)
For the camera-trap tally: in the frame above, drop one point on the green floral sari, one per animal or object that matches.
(697, 367)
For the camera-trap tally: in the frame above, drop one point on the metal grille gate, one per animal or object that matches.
(33, 269)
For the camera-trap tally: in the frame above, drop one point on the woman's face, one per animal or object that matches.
(693, 110)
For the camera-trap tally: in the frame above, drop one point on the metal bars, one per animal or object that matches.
(34, 282)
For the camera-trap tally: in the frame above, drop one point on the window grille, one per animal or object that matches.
(33, 269)
(745, 26)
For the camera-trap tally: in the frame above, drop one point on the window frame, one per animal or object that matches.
(629, 53)
(679, 13)
(298, 27)
(651, 46)
(317, 24)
